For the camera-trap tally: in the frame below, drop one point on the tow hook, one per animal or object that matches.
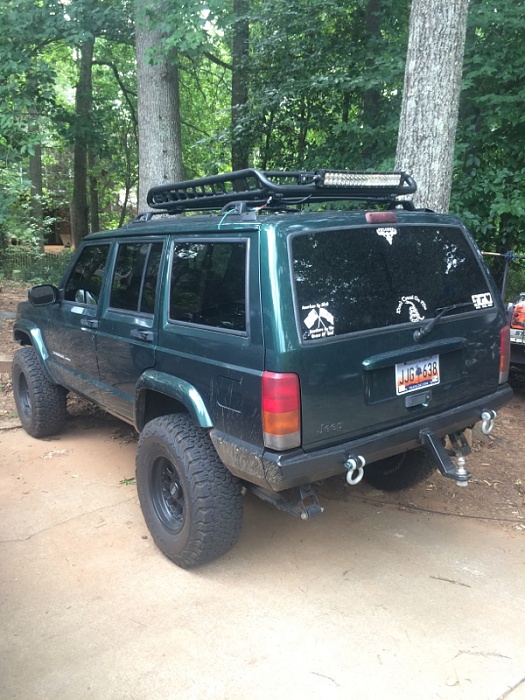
(355, 466)
(487, 421)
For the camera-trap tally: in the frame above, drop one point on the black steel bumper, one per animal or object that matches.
(279, 471)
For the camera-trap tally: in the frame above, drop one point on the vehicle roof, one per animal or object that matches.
(286, 222)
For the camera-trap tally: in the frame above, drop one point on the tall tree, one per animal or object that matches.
(91, 21)
(37, 190)
(160, 142)
(84, 108)
(239, 99)
(429, 113)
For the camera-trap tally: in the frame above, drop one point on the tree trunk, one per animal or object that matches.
(429, 113)
(83, 110)
(372, 115)
(239, 99)
(94, 200)
(160, 143)
(303, 132)
(35, 176)
(129, 181)
(267, 131)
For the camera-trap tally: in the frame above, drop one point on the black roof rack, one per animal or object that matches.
(278, 190)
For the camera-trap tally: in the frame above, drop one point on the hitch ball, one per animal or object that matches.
(461, 471)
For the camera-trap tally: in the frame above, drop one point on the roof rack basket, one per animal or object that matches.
(278, 190)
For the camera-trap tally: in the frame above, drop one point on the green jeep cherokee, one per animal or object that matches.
(259, 345)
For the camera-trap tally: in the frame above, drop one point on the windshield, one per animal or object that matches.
(358, 279)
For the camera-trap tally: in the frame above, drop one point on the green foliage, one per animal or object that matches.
(205, 108)
(187, 26)
(489, 185)
(26, 77)
(32, 266)
(15, 218)
(324, 89)
(516, 280)
(38, 73)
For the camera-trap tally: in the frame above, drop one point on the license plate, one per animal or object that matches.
(411, 376)
(517, 336)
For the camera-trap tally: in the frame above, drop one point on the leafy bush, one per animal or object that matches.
(32, 266)
(515, 280)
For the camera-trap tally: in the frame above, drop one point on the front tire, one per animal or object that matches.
(41, 405)
(400, 471)
(191, 503)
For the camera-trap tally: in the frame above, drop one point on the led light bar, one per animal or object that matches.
(346, 178)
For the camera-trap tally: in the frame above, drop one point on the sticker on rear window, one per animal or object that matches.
(318, 321)
(482, 301)
(387, 232)
(415, 307)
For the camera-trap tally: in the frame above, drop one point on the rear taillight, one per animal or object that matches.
(504, 354)
(281, 410)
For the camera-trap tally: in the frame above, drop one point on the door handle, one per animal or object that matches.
(89, 323)
(148, 336)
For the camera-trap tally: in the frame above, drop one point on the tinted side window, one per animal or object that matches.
(134, 283)
(359, 279)
(85, 281)
(208, 284)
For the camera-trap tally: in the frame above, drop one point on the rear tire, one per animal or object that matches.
(400, 471)
(41, 405)
(191, 503)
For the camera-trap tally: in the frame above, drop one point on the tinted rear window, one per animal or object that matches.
(359, 279)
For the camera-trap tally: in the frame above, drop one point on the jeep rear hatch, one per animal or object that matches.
(396, 321)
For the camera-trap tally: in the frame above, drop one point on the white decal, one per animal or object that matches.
(387, 233)
(482, 301)
(319, 321)
(413, 302)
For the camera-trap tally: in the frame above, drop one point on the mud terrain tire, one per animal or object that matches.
(41, 405)
(190, 501)
(400, 471)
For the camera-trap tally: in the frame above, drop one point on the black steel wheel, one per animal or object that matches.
(167, 494)
(41, 405)
(400, 471)
(191, 503)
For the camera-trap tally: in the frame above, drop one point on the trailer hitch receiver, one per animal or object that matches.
(447, 467)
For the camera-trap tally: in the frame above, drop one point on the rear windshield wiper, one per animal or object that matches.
(420, 333)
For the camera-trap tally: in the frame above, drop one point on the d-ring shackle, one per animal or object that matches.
(487, 418)
(354, 463)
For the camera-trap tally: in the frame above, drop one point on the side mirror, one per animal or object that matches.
(43, 295)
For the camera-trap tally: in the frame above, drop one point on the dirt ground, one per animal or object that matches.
(495, 494)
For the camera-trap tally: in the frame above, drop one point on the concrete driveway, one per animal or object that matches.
(365, 602)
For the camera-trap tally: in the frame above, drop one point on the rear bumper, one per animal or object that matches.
(279, 471)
